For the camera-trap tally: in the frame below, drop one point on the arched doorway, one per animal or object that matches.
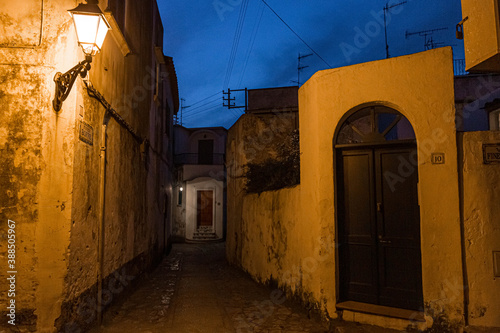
(378, 213)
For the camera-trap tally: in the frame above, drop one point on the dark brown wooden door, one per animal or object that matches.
(205, 204)
(379, 227)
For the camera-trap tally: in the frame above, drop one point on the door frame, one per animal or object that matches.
(338, 149)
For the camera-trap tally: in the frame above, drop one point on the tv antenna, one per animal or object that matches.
(387, 8)
(429, 42)
(300, 67)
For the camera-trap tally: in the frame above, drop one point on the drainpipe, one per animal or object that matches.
(460, 155)
(101, 229)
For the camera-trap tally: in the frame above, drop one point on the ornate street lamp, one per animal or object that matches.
(91, 28)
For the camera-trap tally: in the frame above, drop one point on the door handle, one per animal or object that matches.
(379, 207)
(381, 240)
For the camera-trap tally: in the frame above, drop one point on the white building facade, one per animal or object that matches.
(199, 203)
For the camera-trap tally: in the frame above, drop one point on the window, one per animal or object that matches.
(375, 124)
(205, 151)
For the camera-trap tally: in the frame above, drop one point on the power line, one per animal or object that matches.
(303, 41)
(189, 116)
(255, 29)
(236, 41)
(203, 105)
(206, 98)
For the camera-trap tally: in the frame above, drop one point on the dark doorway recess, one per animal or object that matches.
(378, 212)
(206, 152)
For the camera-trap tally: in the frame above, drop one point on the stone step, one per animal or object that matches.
(204, 236)
(197, 234)
(205, 231)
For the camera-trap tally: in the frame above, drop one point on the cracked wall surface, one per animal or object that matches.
(420, 86)
(481, 195)
(49, 177)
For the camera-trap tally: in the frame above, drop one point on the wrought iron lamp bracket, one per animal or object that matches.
(64, 82)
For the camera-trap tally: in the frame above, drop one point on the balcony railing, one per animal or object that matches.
(201, 159)
(459, 67)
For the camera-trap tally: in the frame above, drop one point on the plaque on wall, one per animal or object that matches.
(86, 132)
(491, 153)
(437, 158)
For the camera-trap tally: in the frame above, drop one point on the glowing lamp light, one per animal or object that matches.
(181, 189)
(91, 29)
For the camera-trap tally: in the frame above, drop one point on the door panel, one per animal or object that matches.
(358, 249)
(398, 224)
(379, 227)
(205, 203)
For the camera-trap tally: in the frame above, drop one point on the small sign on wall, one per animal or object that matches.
(86, 133)
(437, 158)
(491, 153)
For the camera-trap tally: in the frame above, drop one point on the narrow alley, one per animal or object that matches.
(195, 290)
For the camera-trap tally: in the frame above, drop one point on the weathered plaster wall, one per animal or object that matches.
(138, 181)
(481, 35)
(36, 158)
(20, 173)
(275, 99)
(420, 86)
(21, 25)
(192, 171)
(273, 248)
(252, 139)
(481, 195)
(50, 179)
(179, 215)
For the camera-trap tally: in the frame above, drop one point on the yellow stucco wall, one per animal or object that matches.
(481, 35)
(289, 235)
(420, 86)
(49, 184)
(282, 247)
(481, 197)
(252, 139)
(37, 157)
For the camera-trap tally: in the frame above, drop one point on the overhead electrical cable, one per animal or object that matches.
(202, 111)
(217, 93)
(203, 105)
(234, 48)
(303, 41)
(255, 29)
(236, 40)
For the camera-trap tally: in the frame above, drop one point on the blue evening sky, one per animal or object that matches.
(200, 34)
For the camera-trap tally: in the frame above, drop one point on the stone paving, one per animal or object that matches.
(195, 290)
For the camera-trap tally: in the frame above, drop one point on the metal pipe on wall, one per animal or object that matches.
(101, 228)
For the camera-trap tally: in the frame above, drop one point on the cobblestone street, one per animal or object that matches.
(195, 290)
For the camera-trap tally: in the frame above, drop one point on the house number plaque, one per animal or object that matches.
(437, 158)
